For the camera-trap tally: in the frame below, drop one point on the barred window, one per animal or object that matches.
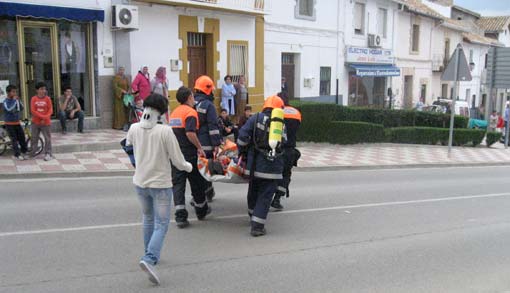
(325, 85)
(238, 63)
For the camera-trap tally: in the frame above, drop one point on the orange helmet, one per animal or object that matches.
(204, 84)
(273, 102)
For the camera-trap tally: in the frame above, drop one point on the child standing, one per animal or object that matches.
(41, 109)
(13, 107)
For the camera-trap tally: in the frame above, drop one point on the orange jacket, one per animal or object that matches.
(41, 110)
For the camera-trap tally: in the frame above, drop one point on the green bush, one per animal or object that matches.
(342, 132)
(493, 137)
(388, 118)
(433, 136)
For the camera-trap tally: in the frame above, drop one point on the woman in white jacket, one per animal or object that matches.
(155, 149)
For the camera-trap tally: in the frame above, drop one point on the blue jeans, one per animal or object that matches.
(156, 217)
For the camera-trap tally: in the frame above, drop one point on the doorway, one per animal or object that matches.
(408, 91)
(38, 60)
(288, 72)
(197, 57)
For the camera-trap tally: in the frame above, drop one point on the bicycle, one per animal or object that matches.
(5, 140)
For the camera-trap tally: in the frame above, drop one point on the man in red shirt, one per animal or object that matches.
(41, 109)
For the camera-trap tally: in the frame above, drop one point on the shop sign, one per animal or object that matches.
(369, 55)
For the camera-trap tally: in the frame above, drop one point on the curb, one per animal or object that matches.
(400, 166)
(121, 173)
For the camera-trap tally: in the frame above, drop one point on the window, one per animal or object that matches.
(415, 46)
(382, 28)
(305, 9)
(446, 52)
(238, 59)
(468, 94)
(359, 19)
(423, 93)
(471, 56)
(444, 91)
(486, 60)
(325, 86)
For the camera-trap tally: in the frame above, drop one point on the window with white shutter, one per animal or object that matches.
(359, 18)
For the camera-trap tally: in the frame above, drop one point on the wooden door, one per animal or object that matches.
(197, 64)
(288, 71)
(408, 92)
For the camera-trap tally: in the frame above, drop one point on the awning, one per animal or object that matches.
(375, 70)
(53, 12)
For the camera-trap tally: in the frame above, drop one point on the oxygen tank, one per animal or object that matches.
(275, 129)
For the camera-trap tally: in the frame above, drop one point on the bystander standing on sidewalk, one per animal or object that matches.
(141, 85)
(155, 149)
(13, 107)
(41, 109)
(227, 95)
(493, 121)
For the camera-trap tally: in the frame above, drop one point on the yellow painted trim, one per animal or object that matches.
(212, 29)
(242, 43)
(21, 25)
(257, 92)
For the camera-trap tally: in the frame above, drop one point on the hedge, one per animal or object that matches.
(342, 132)
(433, 136)
(386, 117)
(493, 137)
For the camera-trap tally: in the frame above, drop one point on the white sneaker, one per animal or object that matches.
(151, 272)
(18, 158)
(48, 157)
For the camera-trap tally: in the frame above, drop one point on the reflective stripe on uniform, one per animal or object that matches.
(213, 132)
(263, 175)
(200, 205)
(241, 143)
(282, 189)
(180, 207)
(200, 110)
(207, 148)
(258, 220)
(261, 126)
(208, 189)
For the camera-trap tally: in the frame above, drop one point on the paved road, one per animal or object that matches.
(428, 230)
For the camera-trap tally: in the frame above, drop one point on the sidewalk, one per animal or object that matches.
(98, 153)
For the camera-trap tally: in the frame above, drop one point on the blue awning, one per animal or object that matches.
(375, 70)
(53, 12)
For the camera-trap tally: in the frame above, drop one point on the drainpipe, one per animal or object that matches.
(337, 50)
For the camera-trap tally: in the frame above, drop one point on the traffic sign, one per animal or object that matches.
(458, 68)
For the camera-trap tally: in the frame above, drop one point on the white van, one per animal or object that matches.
(461, 107)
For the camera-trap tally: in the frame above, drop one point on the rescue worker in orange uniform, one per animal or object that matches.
(208, 133)
(184, 122)
(292, 120)
(264, 169)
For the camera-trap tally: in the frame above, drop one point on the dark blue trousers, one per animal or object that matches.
(260, 194)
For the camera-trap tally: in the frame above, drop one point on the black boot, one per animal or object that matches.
(181, 218)
(257, 229)
(203, 211)
(276, 203)
(210, 193)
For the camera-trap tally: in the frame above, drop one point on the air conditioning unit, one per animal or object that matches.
(125, 17)
(374, 41)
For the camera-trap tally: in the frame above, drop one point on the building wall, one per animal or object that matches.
(317, 42)
(416, 64)
(158, 40)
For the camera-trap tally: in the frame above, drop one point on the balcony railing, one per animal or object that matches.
(243, 6)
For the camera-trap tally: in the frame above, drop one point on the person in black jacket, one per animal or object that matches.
(208, 132)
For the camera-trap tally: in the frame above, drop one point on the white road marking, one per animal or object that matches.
(344, 207)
